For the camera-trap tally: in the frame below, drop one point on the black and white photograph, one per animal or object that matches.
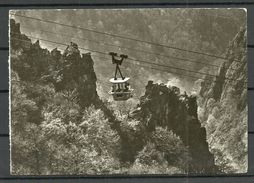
(145, 91)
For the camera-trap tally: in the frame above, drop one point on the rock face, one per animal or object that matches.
(223, 108)
(18, 40)
(76, 75)
(166, 107)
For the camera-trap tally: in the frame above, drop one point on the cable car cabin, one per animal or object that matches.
(120, 89)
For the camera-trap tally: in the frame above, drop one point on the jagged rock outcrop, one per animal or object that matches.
(18, 40)
(75, 74)
(166, 107)
(223, 108)
(71, 73)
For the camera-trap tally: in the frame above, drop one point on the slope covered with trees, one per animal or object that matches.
(61, 125)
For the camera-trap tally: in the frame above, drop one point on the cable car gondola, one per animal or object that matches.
(120, 89)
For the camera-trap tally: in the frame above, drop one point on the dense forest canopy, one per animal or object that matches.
(64, 122)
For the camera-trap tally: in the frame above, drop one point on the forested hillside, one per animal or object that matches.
(59, 125)
(66, 129)
(63, 121)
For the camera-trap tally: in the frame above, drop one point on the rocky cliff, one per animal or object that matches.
(223, 108)
(75, 74)
(70, 72)
(163, 106)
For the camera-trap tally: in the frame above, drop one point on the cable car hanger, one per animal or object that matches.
(118, 62)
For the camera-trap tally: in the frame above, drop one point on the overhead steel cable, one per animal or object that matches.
(167, 71)
(129, 48)
(172, 67)
(149, 67)
(141, 65)
(137, 60)
(124, 37)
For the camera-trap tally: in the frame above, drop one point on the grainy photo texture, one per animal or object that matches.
(128, 91)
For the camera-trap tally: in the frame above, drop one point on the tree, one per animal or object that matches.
(86, 147)
(164, 153)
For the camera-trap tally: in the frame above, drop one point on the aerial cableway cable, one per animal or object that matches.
(163, 70)
(135, 60)
(130, 48)
(123, 37)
